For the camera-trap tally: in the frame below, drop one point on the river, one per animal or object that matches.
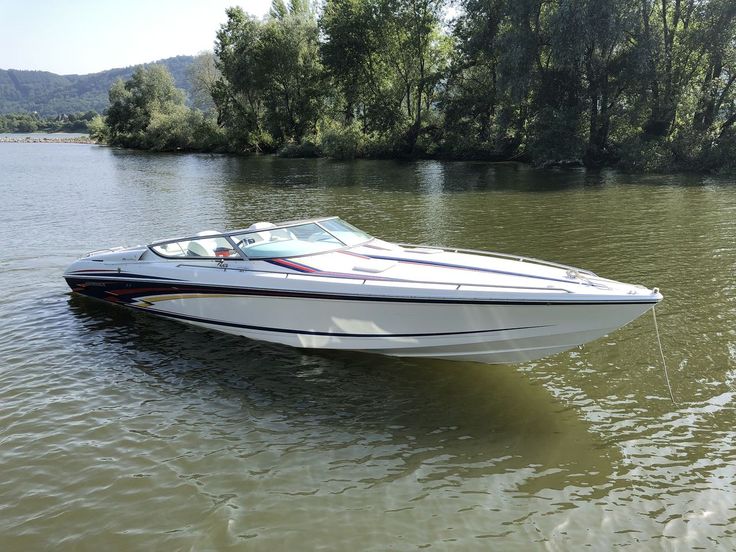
(124, 432)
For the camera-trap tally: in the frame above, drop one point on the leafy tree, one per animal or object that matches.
(271, 84)
(388, 57)
(238, 92)
(203, 75)
(98, 129)
(150, 92)
(148, 112)
(291, 71)
(471, 98)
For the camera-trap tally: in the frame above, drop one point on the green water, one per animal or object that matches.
(123, 432)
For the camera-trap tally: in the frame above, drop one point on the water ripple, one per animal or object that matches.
(125, 432)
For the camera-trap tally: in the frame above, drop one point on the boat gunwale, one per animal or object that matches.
(316, 294)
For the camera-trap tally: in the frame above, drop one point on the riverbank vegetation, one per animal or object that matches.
(637, 84)
(32, 122)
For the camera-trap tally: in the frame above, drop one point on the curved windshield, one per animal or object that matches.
(346, 233)
(300, 239)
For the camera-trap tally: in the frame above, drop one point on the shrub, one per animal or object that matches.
(339, 141)
(306, 149)
(208, 136)
(639, 155)
(171, 130)
(556, 137)
(97, 129)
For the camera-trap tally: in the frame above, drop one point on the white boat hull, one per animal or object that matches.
(490, 333)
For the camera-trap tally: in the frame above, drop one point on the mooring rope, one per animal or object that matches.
(661, 353)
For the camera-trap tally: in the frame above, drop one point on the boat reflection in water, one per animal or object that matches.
(322, 283)
(408, 415)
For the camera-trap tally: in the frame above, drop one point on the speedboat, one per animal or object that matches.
(322, 283)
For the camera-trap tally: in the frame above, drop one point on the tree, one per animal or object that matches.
(203, 75)
(388, 58)
(134, 104)
(291, 71)
(238, 92)
(271, 86)
(609, 67)
(472, 99)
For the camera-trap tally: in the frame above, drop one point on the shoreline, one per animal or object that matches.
(47, 140)
(549, 166)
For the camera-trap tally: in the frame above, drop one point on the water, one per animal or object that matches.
(120, 431)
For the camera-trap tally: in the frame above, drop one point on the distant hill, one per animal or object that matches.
(50, 94)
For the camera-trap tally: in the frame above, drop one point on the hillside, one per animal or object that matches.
(50, 94)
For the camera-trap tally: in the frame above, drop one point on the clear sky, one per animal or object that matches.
(86, 36)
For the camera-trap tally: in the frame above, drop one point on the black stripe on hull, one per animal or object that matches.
(125, 290)
(89, 274)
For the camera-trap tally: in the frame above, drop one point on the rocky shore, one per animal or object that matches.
(46, 139)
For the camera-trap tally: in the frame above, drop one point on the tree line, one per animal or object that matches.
(32, 122)
(637, 84)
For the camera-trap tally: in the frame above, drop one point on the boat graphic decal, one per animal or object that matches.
(344, 275)
(299, 267)
(116, 274)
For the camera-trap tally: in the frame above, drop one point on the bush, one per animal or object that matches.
(98, 129)
(339, 141)
(171, 130)
(557, 137)
(306, 149)
(208, 136)
(384, 146)
(639, 155)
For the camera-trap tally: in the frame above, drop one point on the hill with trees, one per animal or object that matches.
(50, 95)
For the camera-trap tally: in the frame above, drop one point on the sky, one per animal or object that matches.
(87, 36)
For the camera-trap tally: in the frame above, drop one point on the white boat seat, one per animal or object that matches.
(262, 235)
(196, 249)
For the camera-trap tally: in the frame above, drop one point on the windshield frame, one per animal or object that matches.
(240, 253)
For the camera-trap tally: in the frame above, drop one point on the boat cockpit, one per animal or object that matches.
(264, 240)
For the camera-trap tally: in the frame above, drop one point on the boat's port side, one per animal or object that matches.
(487, 331)
(322, 283)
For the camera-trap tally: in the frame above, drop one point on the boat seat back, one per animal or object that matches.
(196, 249)
(263, 234)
